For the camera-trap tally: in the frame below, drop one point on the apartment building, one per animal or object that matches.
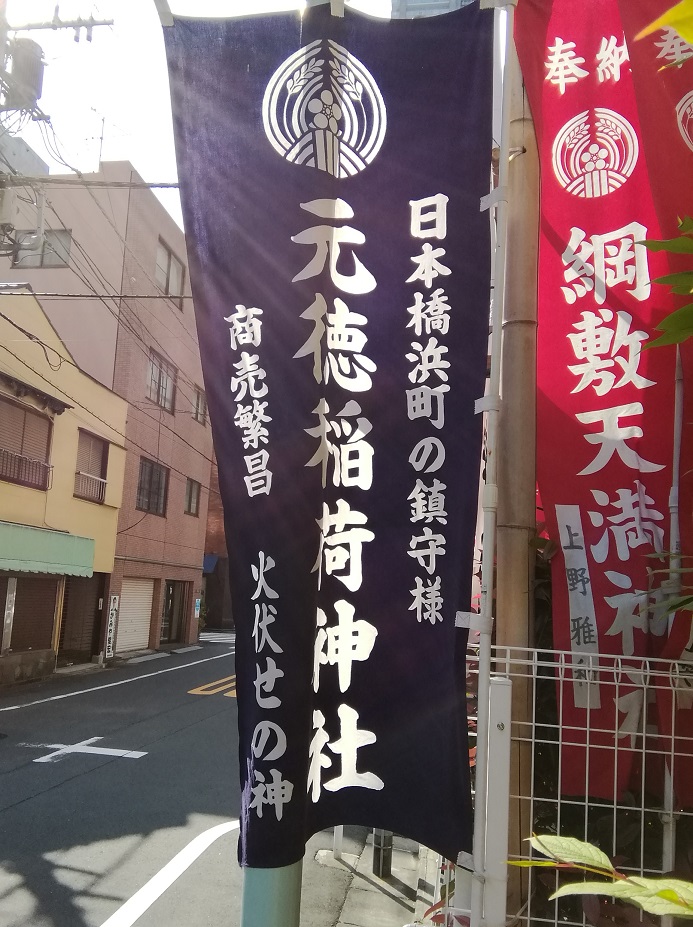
(62, 464)
(108, 264)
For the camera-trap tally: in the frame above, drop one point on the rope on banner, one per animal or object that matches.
(491, 404)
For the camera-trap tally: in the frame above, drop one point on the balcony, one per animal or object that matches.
(14, 468)
(89, 487)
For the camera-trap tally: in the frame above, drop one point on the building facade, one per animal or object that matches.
(62, 466)
(109, 266)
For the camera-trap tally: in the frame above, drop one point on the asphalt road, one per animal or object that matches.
(102, 839)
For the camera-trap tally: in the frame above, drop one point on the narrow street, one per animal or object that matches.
(119, 795)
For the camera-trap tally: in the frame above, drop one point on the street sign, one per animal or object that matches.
(110, 627)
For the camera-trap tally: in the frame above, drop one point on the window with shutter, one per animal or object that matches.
(90, 475)
(24, 445)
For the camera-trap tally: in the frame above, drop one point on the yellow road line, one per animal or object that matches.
(217, 687)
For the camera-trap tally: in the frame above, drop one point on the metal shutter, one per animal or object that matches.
(36, 435)
(11, 426)
(135, 615)
(90, 454)
(79, 614)
(34, 613)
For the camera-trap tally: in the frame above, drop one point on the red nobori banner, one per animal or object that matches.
(664, 92)
(605, 406)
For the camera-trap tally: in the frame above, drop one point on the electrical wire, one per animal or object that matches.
(139, 341)
(117, 313)
(86, 409)
(59, 181)
(56, 148)
(68, 360)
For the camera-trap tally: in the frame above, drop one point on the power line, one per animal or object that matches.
(120, 318)
(122, 238)
(94, 415)
(68, 360)
(91, 295)
(21, 180)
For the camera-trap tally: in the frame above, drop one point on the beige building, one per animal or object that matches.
(62, 465)
(109, 266)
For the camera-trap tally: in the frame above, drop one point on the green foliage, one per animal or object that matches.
(678, 325)
(663, 896)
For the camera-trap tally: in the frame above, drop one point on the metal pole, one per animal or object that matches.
(490, 496)
(674, 530)
(338, 841)
(382, 853)
(668, 817)
(272, 897)
(500, 714)
(517, 460)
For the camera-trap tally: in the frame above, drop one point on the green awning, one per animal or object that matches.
(39, 550)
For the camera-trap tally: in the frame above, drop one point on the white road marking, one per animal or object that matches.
(187, 649)
(121, 682)
(62, 750)
(134, 907)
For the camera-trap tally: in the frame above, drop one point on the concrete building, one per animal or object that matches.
(62, 465)
(124, 312)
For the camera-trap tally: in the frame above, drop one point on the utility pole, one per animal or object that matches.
(21, 60)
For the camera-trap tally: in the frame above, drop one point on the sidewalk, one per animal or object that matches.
(347, 890)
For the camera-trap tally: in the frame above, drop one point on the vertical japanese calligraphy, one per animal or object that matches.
(332, 172)
(605, 422)
(664, 95)
(430, 316)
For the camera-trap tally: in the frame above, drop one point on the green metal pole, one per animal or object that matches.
(272, 897)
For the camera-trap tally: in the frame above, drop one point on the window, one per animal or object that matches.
(152, 487)
(161, 384)
(200, 406)
(51, 251)
(24, 445)
(169, 273)
(192, 497)
(90, 474)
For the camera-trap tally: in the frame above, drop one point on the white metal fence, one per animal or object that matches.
(642, 823)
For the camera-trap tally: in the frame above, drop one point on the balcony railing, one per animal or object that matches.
(89, 487)
(14, 468)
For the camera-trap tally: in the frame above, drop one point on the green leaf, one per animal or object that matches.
(618, 889)
(681, 245)
(570, 850)
(686, 225)
(679, 17)
(666, 896)
(681, 318)
(655, 896)
(684, 278)
(684, 602)
(672, 337)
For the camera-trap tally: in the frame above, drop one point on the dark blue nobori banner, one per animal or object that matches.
(331, 171)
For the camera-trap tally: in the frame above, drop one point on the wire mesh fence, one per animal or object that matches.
(626, 787)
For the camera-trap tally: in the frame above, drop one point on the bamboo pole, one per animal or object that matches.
(517, 456)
